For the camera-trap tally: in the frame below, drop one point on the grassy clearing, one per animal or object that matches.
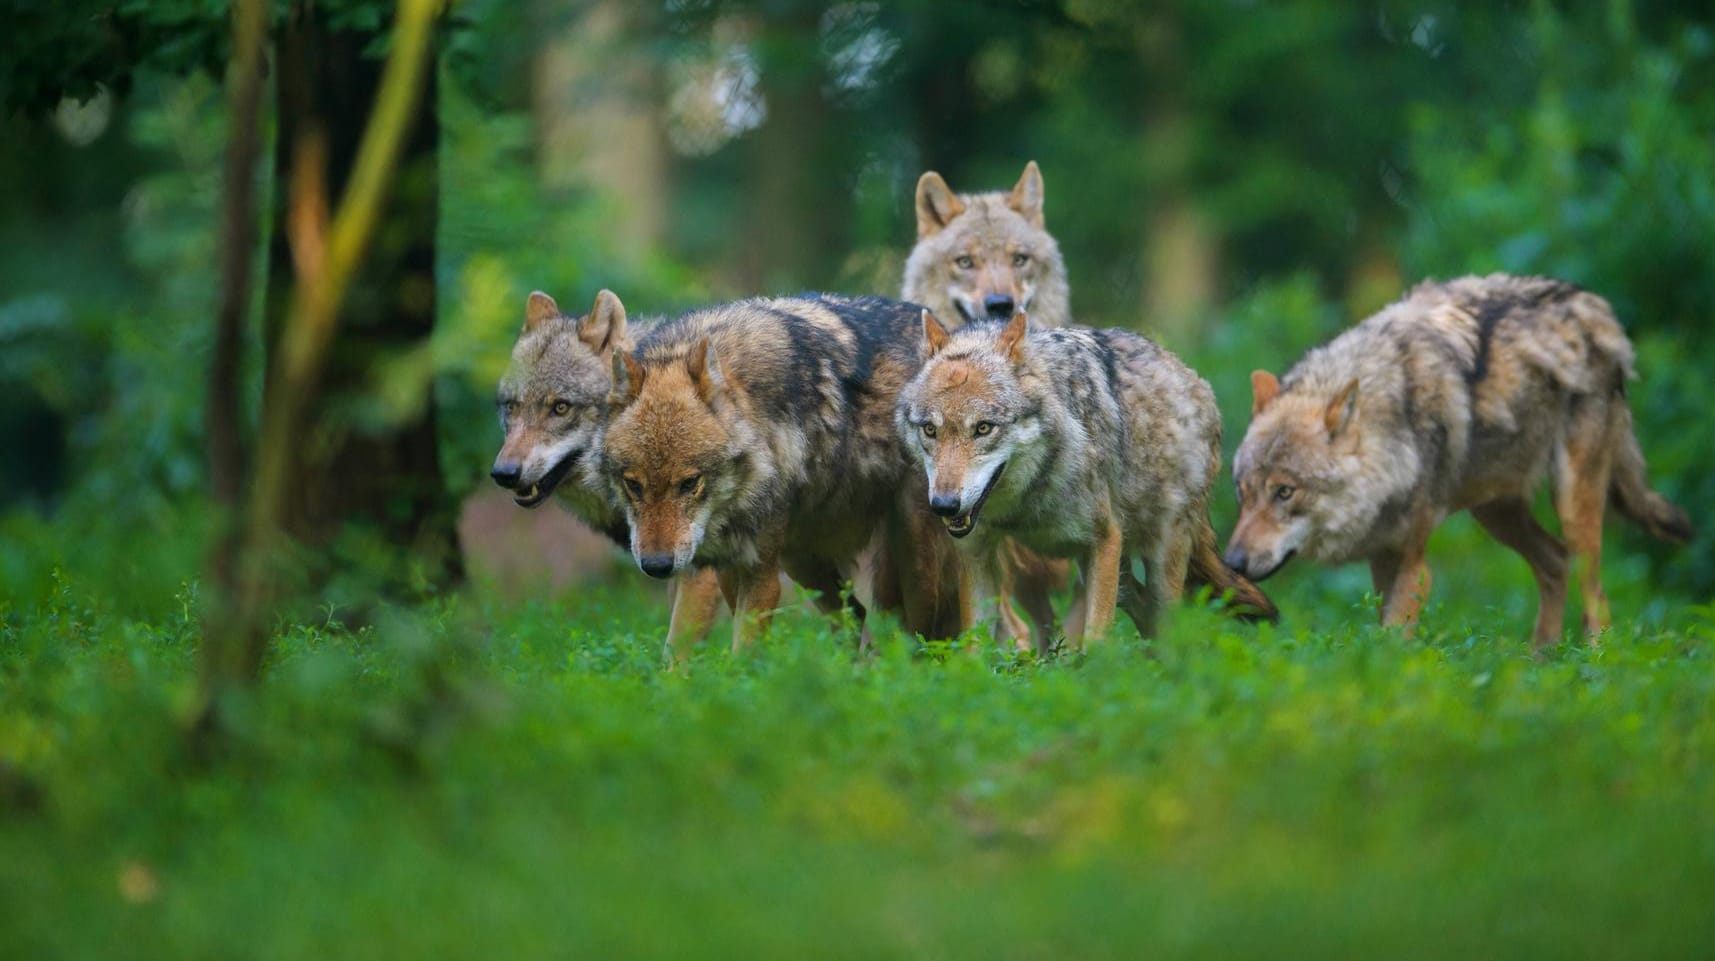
(481, 778)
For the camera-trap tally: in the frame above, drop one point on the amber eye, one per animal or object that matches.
(1019, 260)
(1284, 493)
(632, 487)
(692, 486)
(562, 408)
(964, 263)
(983, 428)
(928, 430)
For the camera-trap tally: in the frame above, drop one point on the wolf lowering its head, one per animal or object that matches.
(986, 256)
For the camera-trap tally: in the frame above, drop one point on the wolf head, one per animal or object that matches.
(1300, 477)
(984, 256)
(553, 398)
(672, 454)
(966, 416)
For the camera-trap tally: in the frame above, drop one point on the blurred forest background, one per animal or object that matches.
(1238, 179)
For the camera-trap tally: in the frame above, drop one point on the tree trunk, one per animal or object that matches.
(364, 473)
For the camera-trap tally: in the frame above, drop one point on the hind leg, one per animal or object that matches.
(1583, 467)
(1168, 564)
(1509, 521)
(1137, 602)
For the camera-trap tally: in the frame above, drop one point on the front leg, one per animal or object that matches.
(696, 601)
(1403, 580)
(755, 594)
(1102, 579)
(978, 595)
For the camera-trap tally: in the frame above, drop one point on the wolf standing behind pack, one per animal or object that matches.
(758, 436)
(1090, 444)
(553, 408)
(984, 257)
(1463, 395)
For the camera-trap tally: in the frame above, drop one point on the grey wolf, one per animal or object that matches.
(985, 256)
(758, 436)
(1097, 445)
(553, 409)
(1463, 395)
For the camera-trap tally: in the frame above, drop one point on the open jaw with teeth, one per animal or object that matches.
(965, 523)
(538, 492)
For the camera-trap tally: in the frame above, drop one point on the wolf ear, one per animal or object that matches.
(627, 380)
(1011, 342)
(1026, 197)
(937, 205)
(705, 369)
(539, 309)
(1341, 409)
(1264, 389)
(935, 336)
(605, 326)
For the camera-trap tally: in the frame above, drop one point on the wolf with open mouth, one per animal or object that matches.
(1093, 445)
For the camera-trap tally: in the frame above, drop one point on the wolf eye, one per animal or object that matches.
(964, 263)
(632, 487)
(692, 486)
(983, 428)
(562, 408)
(1019, 260)
(928, 430)
(509, 406)
(1284, 493)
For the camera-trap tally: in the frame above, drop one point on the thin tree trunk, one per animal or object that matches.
(326, 256)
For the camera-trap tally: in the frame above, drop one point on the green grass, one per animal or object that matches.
(483, 778)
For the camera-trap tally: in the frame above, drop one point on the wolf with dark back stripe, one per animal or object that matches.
(553, 410)
(1096, 445)
(982, 257)
(1464, 395)
(757, 436)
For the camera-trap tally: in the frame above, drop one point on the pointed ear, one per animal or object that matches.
(1264, 389)
(1026, 197)
(1342, 409)
(935, 336)
(627, 380)
(704, 366)
(539, 309)
(1011, 342)
(605, 326)
(937, 205)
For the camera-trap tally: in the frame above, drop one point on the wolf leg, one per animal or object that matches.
(1403, 581)
(1509, 521)
(696, 601)
(1102, 577)
(1168, 565)
(755, 594)
(1583, 468)
(1137, 602)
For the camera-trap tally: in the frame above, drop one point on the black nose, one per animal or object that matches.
(505, 473)
(999, 306)
(1236, 558)
(946, 505)
(656, 565)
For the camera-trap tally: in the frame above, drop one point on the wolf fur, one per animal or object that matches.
(553, 409)
(983, 256)
(1097, 445)
(1464, 395)
(758, 436)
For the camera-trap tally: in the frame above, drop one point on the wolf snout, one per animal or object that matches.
(507, 473)
(656, 565)
(944, 505)
(998, 306)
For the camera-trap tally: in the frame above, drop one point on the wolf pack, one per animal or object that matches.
(967, 451)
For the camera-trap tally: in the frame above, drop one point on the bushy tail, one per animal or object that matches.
(1630, 492)
(1245, 600)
